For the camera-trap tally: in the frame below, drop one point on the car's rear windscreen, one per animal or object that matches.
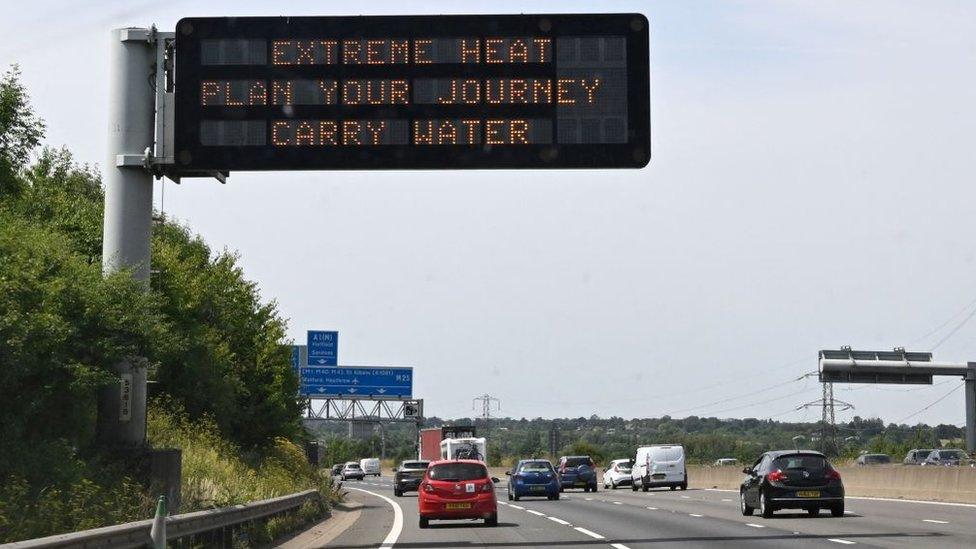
(577, 461)
(458, 471)
(536, 467)
(414, 465)
(800, 462)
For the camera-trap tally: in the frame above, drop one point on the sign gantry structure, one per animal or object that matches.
(226, 94)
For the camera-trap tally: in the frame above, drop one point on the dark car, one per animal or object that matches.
(533, 477)
(408, 476)
(577, 472)
(792, 479)
(873, 459)
(337, 469)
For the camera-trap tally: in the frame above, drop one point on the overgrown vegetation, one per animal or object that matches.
(214, 346)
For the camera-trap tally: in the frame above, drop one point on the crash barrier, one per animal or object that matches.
(949, 484)
(137, 534)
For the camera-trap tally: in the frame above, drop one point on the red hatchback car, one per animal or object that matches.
(457, 489)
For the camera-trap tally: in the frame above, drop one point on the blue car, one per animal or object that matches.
(533, 477)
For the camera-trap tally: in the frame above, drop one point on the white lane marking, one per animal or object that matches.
(843, 541)
(717, 490)
(513, 506)
(685, 497)
(588, 499)
(617, 503)
(502, 503)
(652, 508)
(755, 525)
(946, 503)
(936, 521)
(694, 515)
(397, 527)
(593, 535)
(726, 499)
(619, 546)
(558, 520)
(535, 512)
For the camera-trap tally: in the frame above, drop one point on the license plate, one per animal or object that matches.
(457, 506)
(580, 483)
(808, 494)
(537, 488)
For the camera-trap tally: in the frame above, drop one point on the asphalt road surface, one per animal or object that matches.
(624, 519)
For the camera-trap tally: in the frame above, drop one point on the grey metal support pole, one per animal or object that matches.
(128, 213)
(971, 408)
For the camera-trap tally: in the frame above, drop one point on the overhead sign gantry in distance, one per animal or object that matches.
(400, 92)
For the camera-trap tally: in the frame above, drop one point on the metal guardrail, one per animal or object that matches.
(136, 534)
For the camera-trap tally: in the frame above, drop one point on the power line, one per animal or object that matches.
(946, 322)
(954, 330)
(933, 403)
(745, 395)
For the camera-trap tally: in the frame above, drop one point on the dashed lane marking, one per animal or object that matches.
(933, 521)
(726, 499)
(694, 515)
(588, 499)
(513, 506)
(652, 508)
(619, 546)
(685, 497)
(535, 512)
(502, 503)
(593, 535)
(617, 503)
(558, 521)
(842, 541)
(755, 525)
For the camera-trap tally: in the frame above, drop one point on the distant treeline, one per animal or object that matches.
(705, 439)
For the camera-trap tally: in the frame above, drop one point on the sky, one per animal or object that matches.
(810, 187)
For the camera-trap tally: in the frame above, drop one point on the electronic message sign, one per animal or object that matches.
(399, 92)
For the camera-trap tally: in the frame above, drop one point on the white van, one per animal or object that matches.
(370, 466)
(656, 466)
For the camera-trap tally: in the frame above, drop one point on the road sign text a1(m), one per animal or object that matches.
(323, 348)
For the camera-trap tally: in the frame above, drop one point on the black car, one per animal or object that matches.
(337, 469)
(407, 476)
(577, 472)
(792, 479)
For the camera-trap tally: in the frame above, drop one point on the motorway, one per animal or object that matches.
(624, 519)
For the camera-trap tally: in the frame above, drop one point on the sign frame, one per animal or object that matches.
(323, 353)
(190, 156)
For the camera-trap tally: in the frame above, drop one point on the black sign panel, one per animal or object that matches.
(449, 92)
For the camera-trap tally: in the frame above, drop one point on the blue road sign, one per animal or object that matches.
(296, 358)
(323, 348)
(358, 381)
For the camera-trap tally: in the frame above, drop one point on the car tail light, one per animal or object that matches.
(832, 474)
(776, 476)
(486, 487)
(615, 469)
(428, 488)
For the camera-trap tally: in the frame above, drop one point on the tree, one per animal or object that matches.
(20, 131)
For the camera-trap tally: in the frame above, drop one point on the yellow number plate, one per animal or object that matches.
(808, 494)
(458, 506)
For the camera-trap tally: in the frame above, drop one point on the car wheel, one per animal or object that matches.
(424, 522)
(837, 510)
(515, 497)
(813, 511)
(509, 495)
(492, 520)
(593, 488)
(586, 488)
(673, 488)
(765, 508)
(743, 506)
(633, 485)
(397, 493)
(555, 497)
(684, 485)
(613, 486)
